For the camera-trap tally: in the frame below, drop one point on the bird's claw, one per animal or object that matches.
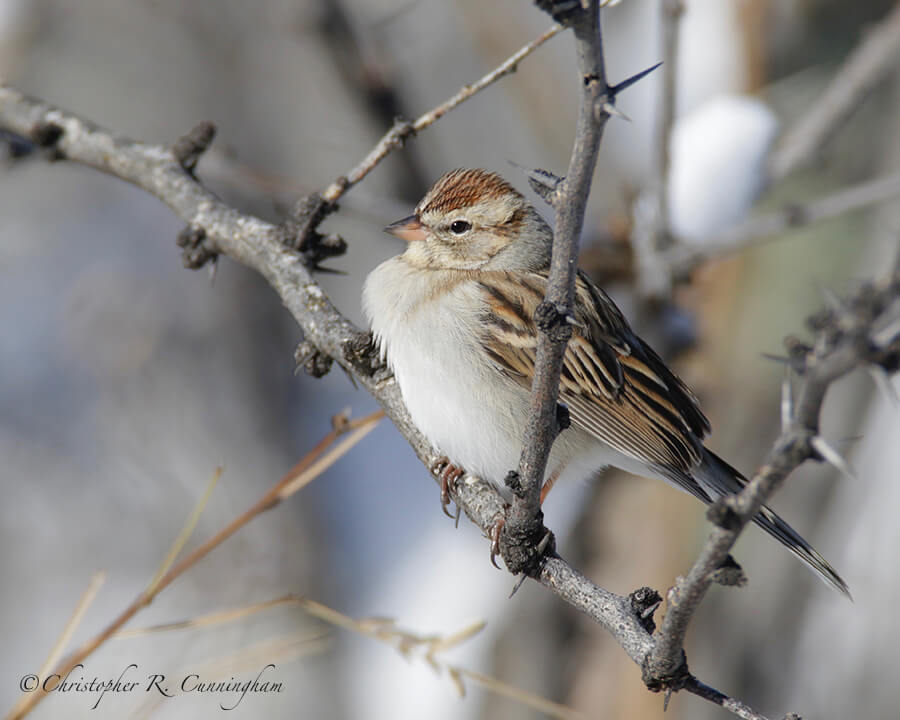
(496, 529)
(448, 474)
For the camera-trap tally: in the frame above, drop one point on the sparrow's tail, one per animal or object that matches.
(718, 478)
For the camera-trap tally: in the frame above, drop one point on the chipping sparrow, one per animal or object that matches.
(453, 318)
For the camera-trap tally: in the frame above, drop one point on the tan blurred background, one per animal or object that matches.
(125, 380)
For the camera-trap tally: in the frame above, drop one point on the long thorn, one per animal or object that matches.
(832, 456)
(519, 583)
(628, 82)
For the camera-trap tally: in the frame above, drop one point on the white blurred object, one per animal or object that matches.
(718, 155)
(711, 61)
(14, 25)
(436, 587)
(441, 583)
(12, 13)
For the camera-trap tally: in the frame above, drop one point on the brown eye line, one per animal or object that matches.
(458, 227)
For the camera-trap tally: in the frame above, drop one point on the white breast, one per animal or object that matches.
(459, 401)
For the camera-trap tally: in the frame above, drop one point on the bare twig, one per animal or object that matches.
(845, 339)
(736, 707)
(671, 12)
(207, 620)
(552, 316)
(516, 694)
(397, 135)
(307, 468)
(651, 233)
(865, 67)
(186, 532)
(59, 647)
(358, 56)
(683, 258)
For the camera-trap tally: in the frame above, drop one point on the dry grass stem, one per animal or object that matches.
(208, 620)
(548, 707)
(384, 630)
(186, 531)
(302, 479)
(272, 498)
(427, 647)
(65, 637)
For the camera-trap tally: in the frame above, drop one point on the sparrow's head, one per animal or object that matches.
(474, 219)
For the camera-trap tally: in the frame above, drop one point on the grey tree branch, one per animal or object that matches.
(735, 707)
(874, 57)
(681, 259)
(569, 201)
(863, 331)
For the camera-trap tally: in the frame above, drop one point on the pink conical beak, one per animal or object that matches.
(409, 229)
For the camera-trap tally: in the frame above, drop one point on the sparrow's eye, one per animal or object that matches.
(460, 227)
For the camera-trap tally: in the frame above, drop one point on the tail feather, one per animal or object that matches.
(716, 478)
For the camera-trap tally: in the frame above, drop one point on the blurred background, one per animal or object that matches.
(125, 379)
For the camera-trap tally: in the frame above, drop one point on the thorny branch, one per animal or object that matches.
(683, 258)
(524, 519)
(862, 331)
(865, 330)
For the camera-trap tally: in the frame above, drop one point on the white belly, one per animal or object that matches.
(467, 409)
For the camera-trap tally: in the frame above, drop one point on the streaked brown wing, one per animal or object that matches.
(617, 388)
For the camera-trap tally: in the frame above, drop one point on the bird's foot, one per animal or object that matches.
(524, 546)
(448, 474)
